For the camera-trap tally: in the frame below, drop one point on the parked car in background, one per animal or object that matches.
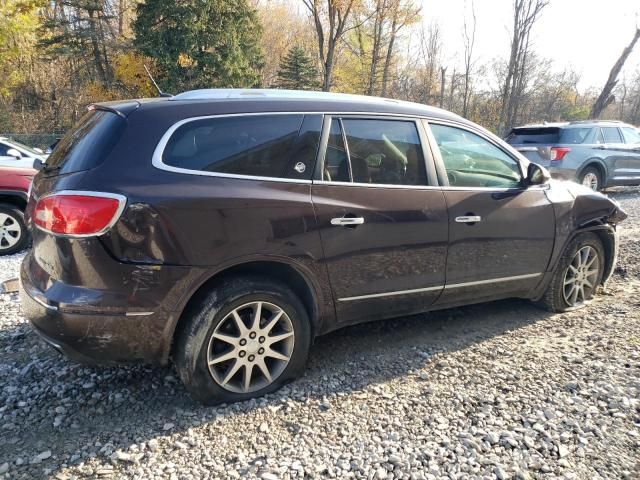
(598, 154)
(14, 154)
(225, 229)
(14, 188)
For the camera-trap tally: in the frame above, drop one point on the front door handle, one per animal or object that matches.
(469, 219)
(347, 221)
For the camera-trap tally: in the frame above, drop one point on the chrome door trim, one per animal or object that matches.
(440, 287)
(390, 294)
(493, 280)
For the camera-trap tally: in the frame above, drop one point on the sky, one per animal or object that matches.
(588, 35)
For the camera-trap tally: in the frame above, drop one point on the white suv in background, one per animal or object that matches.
(17, 155)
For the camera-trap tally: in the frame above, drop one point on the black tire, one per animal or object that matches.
(15, 219)
(597, 182)
(193, 339)
(554, 297)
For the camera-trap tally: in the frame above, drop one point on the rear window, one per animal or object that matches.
(534, 135)
(280, 146)
(87, 144)
(548, 135)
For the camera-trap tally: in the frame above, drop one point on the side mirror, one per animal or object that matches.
(12, 152)
(537, 175)
(38, 164)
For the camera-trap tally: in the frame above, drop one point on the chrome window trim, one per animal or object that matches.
(122, 203)
(156, 159)
(159, 150)
(376, 185)
(440, 287)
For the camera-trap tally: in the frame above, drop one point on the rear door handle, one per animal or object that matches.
(347, 221)
(469, 219)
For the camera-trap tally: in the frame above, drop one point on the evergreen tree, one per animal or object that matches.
(297, 71)
(200, 43)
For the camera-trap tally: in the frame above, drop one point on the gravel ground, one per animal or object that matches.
(501, 390)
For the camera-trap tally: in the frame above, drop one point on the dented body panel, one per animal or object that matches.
(120, 296)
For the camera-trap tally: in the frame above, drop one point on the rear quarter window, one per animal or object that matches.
(276, 146)
(87, 145)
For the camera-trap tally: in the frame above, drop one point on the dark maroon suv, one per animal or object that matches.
(225, 229)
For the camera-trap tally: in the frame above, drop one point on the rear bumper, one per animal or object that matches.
(94, 335)
(562, 173)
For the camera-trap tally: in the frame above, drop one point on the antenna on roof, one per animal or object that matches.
(160, 92)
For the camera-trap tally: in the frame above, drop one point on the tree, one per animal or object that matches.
(330, 22)
(606, 97)
(200, 43)
(297, 71)
(282, 27)
(469, 38)
(525, 14)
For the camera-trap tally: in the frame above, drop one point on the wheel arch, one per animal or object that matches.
(293, 276)
(15, 199)
(605, 233)
(599, 165)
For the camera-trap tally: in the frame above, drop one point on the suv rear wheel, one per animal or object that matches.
(577, 276)
(13, 232)
(246, 338)
(591, 177)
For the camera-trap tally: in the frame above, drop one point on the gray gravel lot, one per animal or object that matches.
(501, 390)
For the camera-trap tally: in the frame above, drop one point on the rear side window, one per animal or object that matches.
(385, 152)
(631, 135)
(541, 136)
(574, 135)
(611, 135)
(88, 143)
(280, 146)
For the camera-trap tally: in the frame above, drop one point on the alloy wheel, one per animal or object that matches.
(250, 348)
(10, 231)
(590, 180)
(581, 276)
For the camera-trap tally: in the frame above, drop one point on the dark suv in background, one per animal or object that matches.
(225, 229)
(598, 154)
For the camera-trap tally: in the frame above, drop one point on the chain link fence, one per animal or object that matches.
(34, 140)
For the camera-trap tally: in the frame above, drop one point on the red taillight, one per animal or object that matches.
(558, 153)
(77, 213)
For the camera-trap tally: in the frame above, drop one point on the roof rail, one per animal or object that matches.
(578, 122)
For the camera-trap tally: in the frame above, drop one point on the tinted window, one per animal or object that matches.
(631, 135)
(574, 135)
(544, 135)
(336, 165)
(3, 149)
(472, 161)
(611, 135)
(384, 152)
(256, 145)
(88, 143)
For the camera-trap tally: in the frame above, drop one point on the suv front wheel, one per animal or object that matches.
(246, 338)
